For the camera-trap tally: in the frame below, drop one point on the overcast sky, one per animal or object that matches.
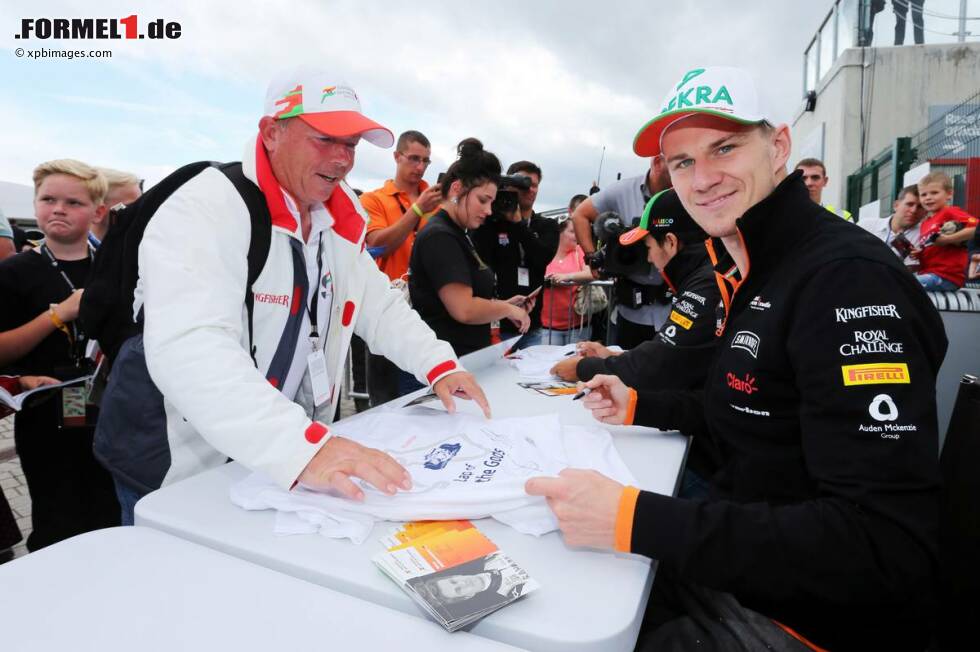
(552, 82)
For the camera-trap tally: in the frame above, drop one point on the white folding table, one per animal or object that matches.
(135, 588)
(589, 601)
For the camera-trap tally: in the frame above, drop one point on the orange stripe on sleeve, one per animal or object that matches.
(624, 518)
(798, 637)
(630, 407)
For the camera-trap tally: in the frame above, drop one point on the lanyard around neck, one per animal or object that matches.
(54, 263)
(315, 302)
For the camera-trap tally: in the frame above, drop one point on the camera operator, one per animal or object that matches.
(641, 300)
(516, 242)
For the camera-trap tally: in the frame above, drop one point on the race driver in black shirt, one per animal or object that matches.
(821, 531)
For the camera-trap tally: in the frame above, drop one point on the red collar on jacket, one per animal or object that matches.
(347, 222)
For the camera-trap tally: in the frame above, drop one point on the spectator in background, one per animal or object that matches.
(944, 234)
(560, 323)
(574, 202)
(901, 9)
(450, 285)
(815, 177)
(124, 189)
(7, 247)
(39, 294)
(641, 301)
(518, 246)
(678, 357)
(900, 230)
(397, 210)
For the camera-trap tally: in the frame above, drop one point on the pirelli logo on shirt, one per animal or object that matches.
(881, 373)
(681, 320)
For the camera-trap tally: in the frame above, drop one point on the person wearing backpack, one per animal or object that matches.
(40, 336)
(251, 369)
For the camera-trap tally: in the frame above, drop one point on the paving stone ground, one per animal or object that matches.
(13, 484)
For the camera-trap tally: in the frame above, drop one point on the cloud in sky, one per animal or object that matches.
(552, 82)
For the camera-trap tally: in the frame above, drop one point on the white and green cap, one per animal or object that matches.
(729, 93)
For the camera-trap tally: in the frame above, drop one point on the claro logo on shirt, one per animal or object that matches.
(876, 374)
(745, 385)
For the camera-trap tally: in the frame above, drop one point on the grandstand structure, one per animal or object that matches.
(872, 110)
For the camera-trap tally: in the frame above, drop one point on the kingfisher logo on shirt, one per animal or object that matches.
(277, 299)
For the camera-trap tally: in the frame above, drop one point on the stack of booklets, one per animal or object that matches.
(452, 570)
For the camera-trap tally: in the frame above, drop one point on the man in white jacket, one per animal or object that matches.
(318, 288)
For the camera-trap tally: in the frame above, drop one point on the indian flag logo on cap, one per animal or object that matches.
(327, 92)
(293, 101)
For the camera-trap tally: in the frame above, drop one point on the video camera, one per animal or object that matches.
(612, 258)
(508, 186)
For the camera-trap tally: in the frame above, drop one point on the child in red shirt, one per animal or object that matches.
(943, 235)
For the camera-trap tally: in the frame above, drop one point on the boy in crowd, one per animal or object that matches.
(943, 236)
(39, 335)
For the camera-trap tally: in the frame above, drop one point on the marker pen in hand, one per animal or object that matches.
(583, 393)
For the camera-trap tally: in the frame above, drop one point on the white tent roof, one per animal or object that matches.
(17, 201)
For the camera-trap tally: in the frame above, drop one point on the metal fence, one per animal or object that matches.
(950, 143)
(356, 378)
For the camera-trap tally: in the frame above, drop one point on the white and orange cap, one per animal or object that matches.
(326, 104)
(729, 93)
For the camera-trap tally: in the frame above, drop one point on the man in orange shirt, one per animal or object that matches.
(397, 210)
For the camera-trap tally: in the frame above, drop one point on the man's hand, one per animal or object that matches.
(585, 503)
(567, 368)
(340, 459)
(27, 383)
(429, 200)
(464, 385)
(67, 310)
(608, 400)
(593, 350)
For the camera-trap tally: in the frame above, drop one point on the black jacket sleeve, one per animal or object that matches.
(676, 358)
(868, 534)
(539, 240)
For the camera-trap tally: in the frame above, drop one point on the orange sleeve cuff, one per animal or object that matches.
(630, 407)
(624, 519)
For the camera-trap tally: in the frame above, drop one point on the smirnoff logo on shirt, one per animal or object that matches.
(861, 312)
(747, 341)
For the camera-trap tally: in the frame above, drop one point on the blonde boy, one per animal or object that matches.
(943, 236)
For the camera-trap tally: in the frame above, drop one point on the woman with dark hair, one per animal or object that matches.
(450, 286)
